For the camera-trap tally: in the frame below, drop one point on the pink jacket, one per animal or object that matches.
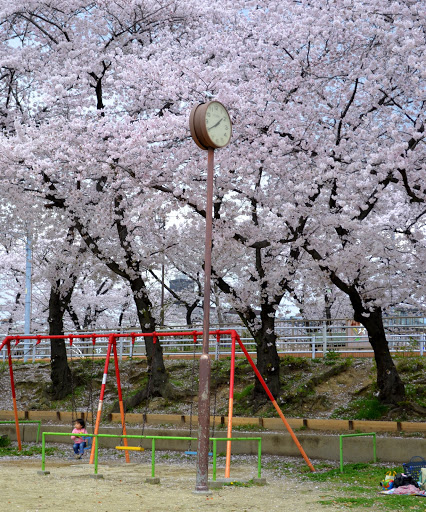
(77, 439)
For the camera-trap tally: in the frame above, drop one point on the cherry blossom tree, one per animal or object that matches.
(353, 137)
(12, 271)
(326, 160)
(329, 123)
(66, 130)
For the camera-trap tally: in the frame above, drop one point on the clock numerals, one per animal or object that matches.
(210, 125)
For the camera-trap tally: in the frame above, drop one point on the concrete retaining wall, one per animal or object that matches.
(275, 424)
(317, 446)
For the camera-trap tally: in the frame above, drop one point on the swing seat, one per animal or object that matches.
(188, 452)
(87, 443)
(132, 448)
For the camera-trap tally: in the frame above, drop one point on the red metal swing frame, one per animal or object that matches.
(112, 346)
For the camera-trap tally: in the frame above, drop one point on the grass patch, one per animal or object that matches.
(27, 451)
(356, 488)
(361, 472)
(4, 441)
(291, 363)
(411, 365)
(369, 409)
(359, 485)
(247, 391)
(366, 408)
(349, 502)
(249, 428)
(331, 357)
(378, 503)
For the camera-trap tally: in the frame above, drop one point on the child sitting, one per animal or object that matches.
(79, 443)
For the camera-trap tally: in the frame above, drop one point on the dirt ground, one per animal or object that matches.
(69, 487)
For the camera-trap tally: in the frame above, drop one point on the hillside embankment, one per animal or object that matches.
(329, 388)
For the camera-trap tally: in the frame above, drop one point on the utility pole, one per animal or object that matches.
(28, 272)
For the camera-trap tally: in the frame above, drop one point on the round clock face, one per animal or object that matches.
(218, 124)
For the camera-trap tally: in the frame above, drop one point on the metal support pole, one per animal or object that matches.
(120, 395)
(153, 458)
(259, 458)
(162, 294)
(356, 435)
(274, 403)
(101, 398)
(201, 484)
(12, 386)
(230, 408)
(28, 269)
(43, 451)
(214, 459)
(324, 339)
(121, 347)
(96, 443)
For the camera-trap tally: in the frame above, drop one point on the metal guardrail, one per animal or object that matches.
(99, 437)
(297, 338)
(22, 422)
(341, 437)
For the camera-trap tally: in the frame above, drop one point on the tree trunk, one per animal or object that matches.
(60, 373)
(189, 310)
(159, 378)
(268, 361)
(218, 306)
(391, 387)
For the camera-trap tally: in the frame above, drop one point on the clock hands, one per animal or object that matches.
(217, 124)
(210, 125)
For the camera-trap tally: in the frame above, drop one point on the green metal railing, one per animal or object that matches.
(356, 435)
(25, 421)
(153, 439)
(259, 451)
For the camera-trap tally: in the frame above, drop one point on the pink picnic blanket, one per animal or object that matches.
(407, 489)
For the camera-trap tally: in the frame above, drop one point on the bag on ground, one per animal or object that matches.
(387, 483)
(402, 479)
(423, 479)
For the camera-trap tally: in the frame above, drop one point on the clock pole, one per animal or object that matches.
(201, 484)
(210, 127)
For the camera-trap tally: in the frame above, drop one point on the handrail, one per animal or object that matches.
(356, 435)
(12, 422)
(153, 439)
(313, 344)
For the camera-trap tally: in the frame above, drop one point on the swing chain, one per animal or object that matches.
(73, 404)
(195, 340)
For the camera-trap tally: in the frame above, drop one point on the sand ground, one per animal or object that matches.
(70, 487)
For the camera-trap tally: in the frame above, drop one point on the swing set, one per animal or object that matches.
(112, 347)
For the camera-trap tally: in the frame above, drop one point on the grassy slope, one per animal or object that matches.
(324, 388)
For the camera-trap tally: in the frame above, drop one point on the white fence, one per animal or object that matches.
(313, 338)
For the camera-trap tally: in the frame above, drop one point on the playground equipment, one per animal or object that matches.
(341, 437)
(190, 451)
(38, 422)
(131, 448)
(112, 347)
(98, 437)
